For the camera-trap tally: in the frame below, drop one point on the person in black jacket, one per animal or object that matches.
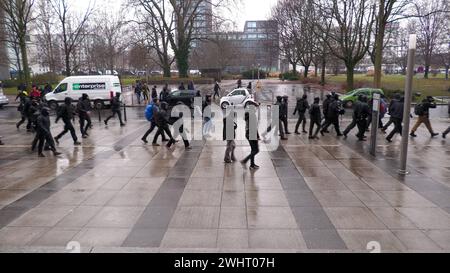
(162, 121)
(424, 116)
(301, 107)
(361, 116)
(356, 109)
(179, 123)
(84, 113)
(315, 118)
(154, 93)
(24, 100)
(115, 108)
(325, 105)
(66, 112)
(251, 134)
(280, 120)
(43, 132)
(229, 135)
(397, 118)
(334, 110)
(390, 107)
(181, 87)
(285, 107)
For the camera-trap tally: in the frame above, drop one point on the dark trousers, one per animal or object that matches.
(114, 112)
(216, 93)
(280, 128)
(285, 123)
(369, 121)
(254, 151)
(387, 124)
(334, 122)
(22, 120)
(311, 127)
(150, 130)
(350, 126)
(397, 129)
(68, 126)
(183, 136)
(447, 131)
(301, 118)
(362, 126)
(85, 123)
(45, 138)
(164, 129)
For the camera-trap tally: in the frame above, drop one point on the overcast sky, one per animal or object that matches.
(248, 9)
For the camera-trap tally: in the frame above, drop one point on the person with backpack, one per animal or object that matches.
(357, 106)
(315, 116)
(66, 112)
(335, 109)
(115, 108)
(422, 110)
(390, 107)
(301, 107)
(150, 113)
(229, 135)
(84, 109)
(397, 118)
(162, 119)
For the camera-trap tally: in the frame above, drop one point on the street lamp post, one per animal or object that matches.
(407, 103)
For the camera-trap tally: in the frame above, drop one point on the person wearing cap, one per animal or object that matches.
(315, 116)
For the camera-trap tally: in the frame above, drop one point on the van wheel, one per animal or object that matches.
(53, 105)
(99, 105)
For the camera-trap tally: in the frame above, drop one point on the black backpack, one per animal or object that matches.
(418, 109)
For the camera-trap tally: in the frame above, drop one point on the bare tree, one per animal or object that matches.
(431, 27)
(351, 28)
(18, 16)
(71, 27)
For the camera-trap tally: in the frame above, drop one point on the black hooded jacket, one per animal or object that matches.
(66, 111)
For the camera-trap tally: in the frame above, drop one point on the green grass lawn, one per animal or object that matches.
(434, 86)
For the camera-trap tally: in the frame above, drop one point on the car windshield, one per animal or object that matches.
(176, 93)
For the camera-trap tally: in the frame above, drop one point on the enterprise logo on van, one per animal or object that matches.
(89, 86)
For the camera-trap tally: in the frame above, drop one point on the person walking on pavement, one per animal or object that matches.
(325, 106)
(66, 112)
(145, 92)
(150, 114)
(229, 135)
(285, 107)
(361, 118)
(315, 118)
(397, 118)
(44, 134)
(162, 121)
(239, 83)
(138, 91)
(335, 109)
(164, 93)
(280, 120)
(191, 85)
(179, 123)
(115, 108)
(445, 133)
(154, 93)
(24, 100)
(251, 134)
(216, 90)
(423, 111)
(84, 109)
(301, 107)
(357, 106)
(390, 107)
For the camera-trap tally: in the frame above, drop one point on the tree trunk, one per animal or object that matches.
(67, 60)
(316, 70)
(182, 57)
(294, 68)
(26, 68)
(350, 78)
(447, 67)
(427, 71)
(305, 73)
(379, 46)
(322, 80)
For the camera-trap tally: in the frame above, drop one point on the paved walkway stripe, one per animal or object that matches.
(317, 229)
(17, 208)
(150, 228)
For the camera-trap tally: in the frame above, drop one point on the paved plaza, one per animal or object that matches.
(116, 194)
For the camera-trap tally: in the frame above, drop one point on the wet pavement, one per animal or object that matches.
(116, 194)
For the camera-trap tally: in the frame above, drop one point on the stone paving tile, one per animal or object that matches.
(415, 240)
(115, 217)
(276, 239)
(58, 236)
(233, 217)
(325, 239)
(353, 218)
(195, 218)
(266, 198)
(195, 198)
(79, 216)
(270, 217)
(233, 239)
(110, 237)
(42, 216)
(190, 238)
(408, 199)
(392, 218)
(358, 240)
(342, 198)
(20, 236)
(427, 218)
(440, 237)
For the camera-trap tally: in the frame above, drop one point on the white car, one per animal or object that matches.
(3, 99)
(240, 97)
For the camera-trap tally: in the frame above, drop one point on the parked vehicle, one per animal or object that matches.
(181, 96)
(240, 97)
(351, 97)
(99, 89)
(3, 99)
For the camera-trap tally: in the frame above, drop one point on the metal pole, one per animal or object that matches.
(407, 104)
(125, 112)
(375, 116)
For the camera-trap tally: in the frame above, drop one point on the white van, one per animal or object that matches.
(98, 88)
